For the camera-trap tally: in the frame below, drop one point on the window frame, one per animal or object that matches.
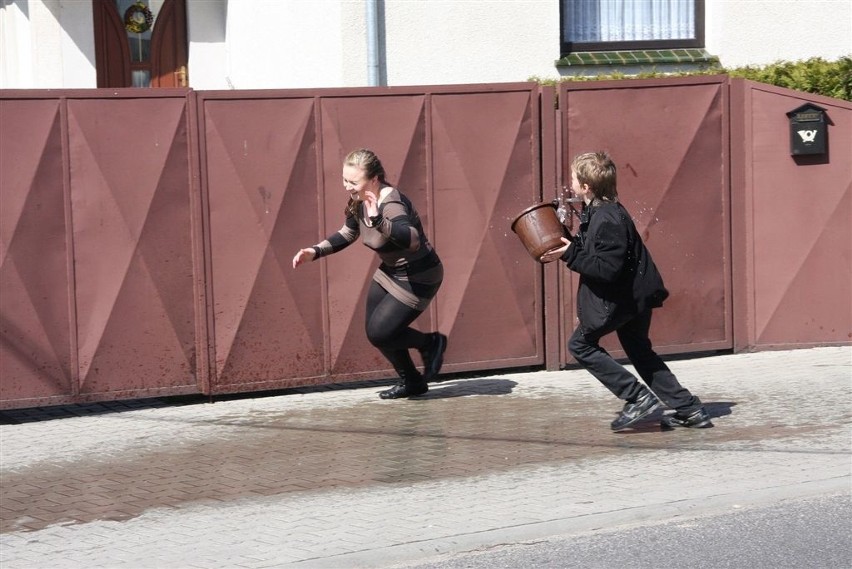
(567, 47)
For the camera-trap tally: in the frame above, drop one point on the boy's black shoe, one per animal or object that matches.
(698, 419)
(634, 412)
(433, 356)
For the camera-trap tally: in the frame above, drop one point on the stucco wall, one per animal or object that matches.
(757, 32)
(253, 44)
(273, 44)
(206, 24)
(46, 44)
(324, 43)
(465, 41)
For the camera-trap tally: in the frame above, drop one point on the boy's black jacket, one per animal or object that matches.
(618, 277)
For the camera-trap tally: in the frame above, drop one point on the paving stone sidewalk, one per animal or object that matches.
(340, 478)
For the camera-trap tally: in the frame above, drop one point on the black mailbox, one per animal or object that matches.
(808, 130)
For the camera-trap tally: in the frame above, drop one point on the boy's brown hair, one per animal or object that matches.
(597, 170)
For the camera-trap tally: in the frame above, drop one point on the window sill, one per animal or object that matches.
(638, 57)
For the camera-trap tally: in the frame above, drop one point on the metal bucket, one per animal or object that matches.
(539, 229)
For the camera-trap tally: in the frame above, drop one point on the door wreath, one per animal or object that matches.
(138, 18)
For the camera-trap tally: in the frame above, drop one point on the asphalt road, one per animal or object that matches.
(812, 533)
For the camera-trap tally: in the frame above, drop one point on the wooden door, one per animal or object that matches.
(140, 43)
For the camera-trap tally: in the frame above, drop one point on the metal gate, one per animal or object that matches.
(146, 237)
(467, 156)
(669, 140)
(98, 272)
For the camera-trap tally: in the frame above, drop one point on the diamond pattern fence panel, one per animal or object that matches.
(98, 271)
(486, 170)
(271, 164)
(260, 170)
(36, 347)
(669, 141)
(793, 249)
(132, 233)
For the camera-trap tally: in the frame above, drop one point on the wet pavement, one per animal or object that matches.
(340, 478)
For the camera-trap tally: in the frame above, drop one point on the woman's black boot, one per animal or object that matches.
(412, 383)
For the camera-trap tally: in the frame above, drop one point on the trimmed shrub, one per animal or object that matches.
(815, 75)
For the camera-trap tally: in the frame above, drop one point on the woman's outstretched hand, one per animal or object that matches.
(303, 256)
(554, 254)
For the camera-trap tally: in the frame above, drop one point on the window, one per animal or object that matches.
(602, 25)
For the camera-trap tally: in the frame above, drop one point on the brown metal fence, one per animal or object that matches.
(146, 236)
(38, 352)
(467, 156)
(792, 231)
(669, 140)
(98, 272)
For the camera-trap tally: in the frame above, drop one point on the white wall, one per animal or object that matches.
(274, 44)
(15, 45)
(208, 57)
(280, 44)
(759, 32)
(323, 43)
(77, 45)
(471, 41)
(46, 44)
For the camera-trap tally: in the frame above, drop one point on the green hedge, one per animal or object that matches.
(815, 75)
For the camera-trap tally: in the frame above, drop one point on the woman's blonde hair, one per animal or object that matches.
(597, 170)
(367, 161)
